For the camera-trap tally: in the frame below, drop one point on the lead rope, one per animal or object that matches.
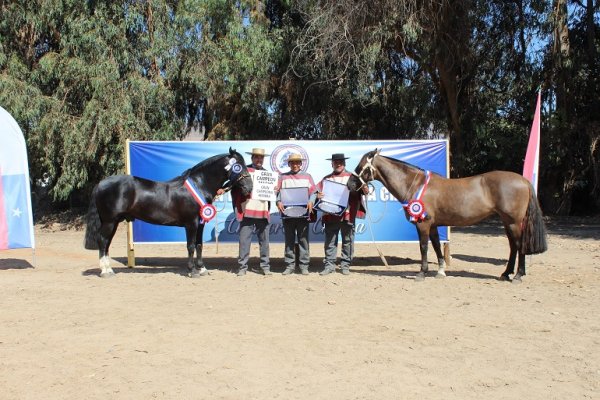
(217, 220)
(227, 186)
(371, 229)
(370, 222)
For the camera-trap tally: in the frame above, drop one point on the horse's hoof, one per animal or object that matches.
(197, 274)
(517, 280)
(420, 277)
(107, 274)
(504, 278)
(440, 275)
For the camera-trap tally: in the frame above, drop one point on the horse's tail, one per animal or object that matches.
(533, 235)
(93, 223)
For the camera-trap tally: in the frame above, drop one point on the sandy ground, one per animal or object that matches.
(152, 333)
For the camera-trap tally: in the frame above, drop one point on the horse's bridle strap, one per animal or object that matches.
(368, 166)
(230, 183)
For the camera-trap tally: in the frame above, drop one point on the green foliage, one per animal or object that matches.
(80, 90)
(83, 77)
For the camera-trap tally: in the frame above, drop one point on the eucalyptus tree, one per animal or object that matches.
(572, 70)
(82, 77)
(423, 68)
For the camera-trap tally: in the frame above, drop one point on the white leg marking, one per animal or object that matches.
(105, 268)
(441, 265)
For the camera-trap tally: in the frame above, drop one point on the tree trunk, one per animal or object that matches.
(590, 31)
(561, 54)
(561, 58)
(452, 58)
(593, 128)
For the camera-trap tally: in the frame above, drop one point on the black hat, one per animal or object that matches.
(337, 156)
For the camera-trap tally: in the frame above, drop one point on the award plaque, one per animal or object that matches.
(295, 201)
(335, 199)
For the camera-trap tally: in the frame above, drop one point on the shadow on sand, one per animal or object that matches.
(14, 263)
(393, 271)
(178, 265)
(399, 266)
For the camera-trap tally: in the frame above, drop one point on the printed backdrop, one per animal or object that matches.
(162, 161)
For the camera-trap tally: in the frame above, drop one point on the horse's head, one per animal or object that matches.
(238, 174)
(364, 171)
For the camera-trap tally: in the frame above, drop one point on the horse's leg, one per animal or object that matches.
(520, 270)
(199, 246)
(434, 235)
(511, 233)
(107, 232)
(423, 231)
(190, 235)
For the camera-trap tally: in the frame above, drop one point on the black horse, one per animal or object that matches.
(437, 201)
(126, 197)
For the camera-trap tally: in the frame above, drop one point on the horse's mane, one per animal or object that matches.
(409, 165)
(196, 168)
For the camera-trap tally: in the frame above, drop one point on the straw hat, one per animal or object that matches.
(295, 157)
(257, 151)
(337, 157)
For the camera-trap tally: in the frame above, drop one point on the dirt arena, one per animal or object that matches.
(152, 333)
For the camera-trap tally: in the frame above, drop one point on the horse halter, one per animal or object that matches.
(367, 167)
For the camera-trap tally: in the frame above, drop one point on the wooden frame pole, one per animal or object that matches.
(130, 248)
(447, 255)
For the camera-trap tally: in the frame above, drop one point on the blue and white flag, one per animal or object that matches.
(16, 218)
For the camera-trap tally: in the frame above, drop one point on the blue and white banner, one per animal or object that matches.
(162, 161)
(16, 218)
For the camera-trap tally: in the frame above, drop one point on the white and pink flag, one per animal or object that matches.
(532, 157)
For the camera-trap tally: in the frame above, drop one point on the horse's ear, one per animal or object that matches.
(372, 154)
(231, 151)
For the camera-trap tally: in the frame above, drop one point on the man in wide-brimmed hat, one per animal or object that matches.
(335, 223)
(257, 151)
(253, 215)
(296, 227)
(295, 159)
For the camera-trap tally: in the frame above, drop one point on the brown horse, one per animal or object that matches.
(461, 202)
